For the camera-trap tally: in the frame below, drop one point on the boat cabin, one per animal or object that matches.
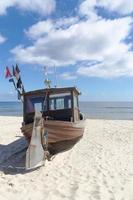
(54, 103)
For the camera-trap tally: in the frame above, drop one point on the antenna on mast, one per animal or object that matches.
(46, 81)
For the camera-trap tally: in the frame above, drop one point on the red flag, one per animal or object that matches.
(7, 73)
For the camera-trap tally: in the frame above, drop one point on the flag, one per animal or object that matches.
(19, 94)
(13, 71)
(8, 73)
(12, 80)
(17, 69)
(19, 83)
(16, 72)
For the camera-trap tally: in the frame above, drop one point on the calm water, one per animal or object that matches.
(93, 110)
(107, 110)
(10, 109)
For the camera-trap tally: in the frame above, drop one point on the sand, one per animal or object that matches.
(99, 167)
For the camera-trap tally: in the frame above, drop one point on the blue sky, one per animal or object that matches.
(90, 42)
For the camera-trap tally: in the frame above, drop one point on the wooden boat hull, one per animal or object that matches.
(61, 135)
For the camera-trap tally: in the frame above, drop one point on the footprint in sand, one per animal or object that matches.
(96, 193)
(98, 171)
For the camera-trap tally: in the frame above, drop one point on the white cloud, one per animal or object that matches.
(81, 41)
(110, 68)
(66, 22)
(68, 76)
(5, 4)
(44, 27)
(2, 39)
(69, 41)
(42, 7)
(40, 29)
(87, 7)
(120, 6)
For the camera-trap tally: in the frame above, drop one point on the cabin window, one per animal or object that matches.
(56, 104)
(60, 101)
(35, 104)
(69, 103)
(38, 107)
(52, 104)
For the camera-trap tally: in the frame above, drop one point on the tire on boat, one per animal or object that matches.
(81, 116)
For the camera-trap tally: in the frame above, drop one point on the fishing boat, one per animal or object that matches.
(60, 117)
(52, 121)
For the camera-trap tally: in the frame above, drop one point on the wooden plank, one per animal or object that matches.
(35, 153)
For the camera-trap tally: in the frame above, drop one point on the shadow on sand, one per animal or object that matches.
(12, 157)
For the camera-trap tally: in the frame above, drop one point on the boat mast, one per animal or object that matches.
(47, 83)
(55, 76)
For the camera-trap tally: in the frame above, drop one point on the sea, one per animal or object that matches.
(91, 110)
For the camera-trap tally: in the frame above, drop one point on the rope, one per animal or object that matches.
(44, 142)
(44, 133)
(44, 137)
(11, 167)
(44, 104)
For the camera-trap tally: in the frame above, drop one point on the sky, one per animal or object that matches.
(89, 43)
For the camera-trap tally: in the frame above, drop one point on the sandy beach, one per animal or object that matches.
(98, 167)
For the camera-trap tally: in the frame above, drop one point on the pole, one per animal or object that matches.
(55, 76)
